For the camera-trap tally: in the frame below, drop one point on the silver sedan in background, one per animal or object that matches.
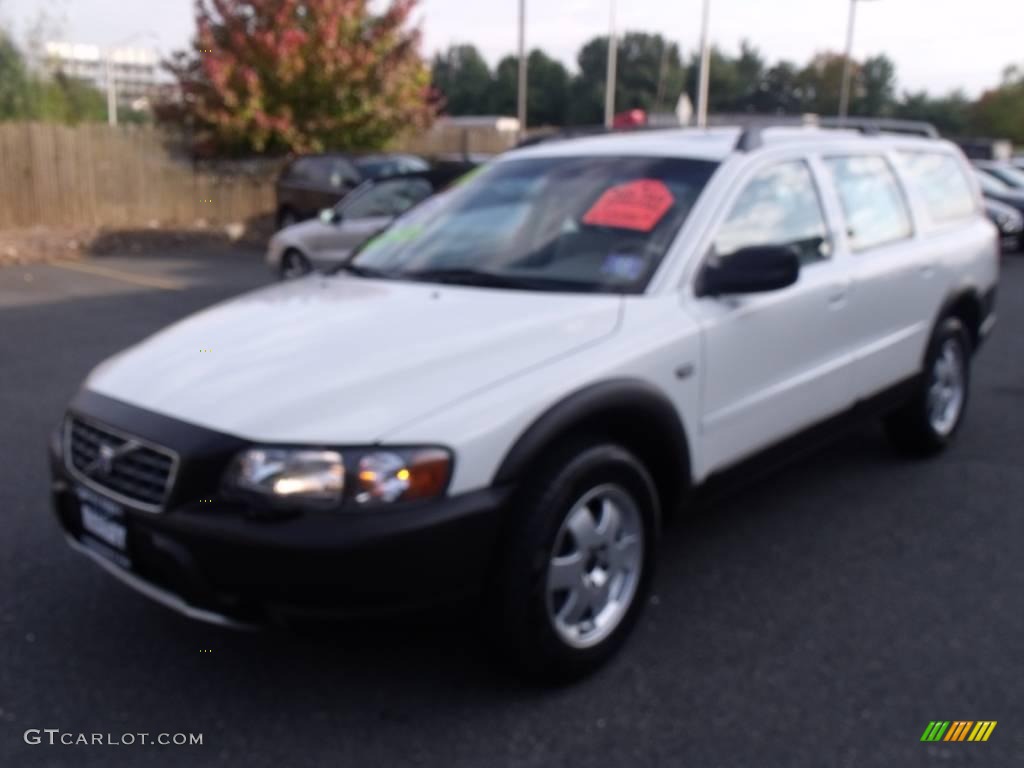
(326, 241)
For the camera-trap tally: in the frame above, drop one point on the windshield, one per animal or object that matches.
(566, 223)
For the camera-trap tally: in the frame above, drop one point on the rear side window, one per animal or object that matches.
(941, 184)
(873, 203)
(779, 206)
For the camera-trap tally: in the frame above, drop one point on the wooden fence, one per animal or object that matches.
(94, 175)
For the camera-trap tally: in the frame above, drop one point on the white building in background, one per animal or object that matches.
(131, 71)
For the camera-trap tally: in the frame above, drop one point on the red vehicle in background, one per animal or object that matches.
(631, 118)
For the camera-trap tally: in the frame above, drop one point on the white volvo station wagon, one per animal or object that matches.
(505, 393)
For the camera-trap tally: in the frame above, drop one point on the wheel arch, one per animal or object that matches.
(964, 303)
(630, 412)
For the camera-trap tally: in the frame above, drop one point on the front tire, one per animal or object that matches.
(929, 421)
(294, 264)
(577, 562)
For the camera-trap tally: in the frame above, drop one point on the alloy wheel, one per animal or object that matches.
(595, 566)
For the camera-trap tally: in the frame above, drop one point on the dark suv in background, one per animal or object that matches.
(311, 183)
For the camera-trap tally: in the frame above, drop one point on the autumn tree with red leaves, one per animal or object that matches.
(301, 75)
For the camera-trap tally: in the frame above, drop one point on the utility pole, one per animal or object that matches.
(111, 88)
(613, 54)
(521, 96)
(705, 68)
(108, 70)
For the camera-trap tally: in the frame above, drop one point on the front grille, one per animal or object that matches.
(125, 468)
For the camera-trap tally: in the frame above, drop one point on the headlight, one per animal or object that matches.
(290, 474)
(304, 476)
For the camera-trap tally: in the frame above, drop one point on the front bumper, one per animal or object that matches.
(222, 562)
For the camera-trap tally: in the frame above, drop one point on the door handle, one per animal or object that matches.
(928, 270)
(838, 293)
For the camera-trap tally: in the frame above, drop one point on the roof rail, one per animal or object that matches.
(751, 137)
(883, 125)
(580, 132)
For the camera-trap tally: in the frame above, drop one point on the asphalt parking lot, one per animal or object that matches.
(820, 617)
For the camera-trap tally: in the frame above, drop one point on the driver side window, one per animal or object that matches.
(779, 206)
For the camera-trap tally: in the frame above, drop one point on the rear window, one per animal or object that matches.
(566, 223)
(872, 200)
(939, 181)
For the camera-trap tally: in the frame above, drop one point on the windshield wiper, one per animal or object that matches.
(466, 276)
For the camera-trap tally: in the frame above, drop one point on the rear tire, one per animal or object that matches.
(929, 421)
(577, 562)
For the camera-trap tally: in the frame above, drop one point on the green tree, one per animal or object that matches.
(951, 114)
(650, 76)
(464, 80)
(999, 113)
(734, 84)
(874, 92)
(64, 99)
(821, 83)
(57, 99)
(782, 91)
(547, 91)
(299, 75)
(13, 80)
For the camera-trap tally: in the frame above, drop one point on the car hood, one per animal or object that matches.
(347, 360)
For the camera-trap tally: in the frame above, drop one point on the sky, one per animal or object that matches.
(938, 45)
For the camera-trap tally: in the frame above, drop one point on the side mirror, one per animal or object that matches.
(331, 216)
(757, 269)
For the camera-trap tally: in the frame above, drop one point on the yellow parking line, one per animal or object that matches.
(126, 277)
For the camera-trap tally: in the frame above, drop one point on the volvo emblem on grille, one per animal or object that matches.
(103, 464)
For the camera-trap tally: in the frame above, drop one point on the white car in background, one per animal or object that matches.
(329, 239)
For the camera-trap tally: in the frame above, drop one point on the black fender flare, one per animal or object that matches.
(620, 396)
(957, 296)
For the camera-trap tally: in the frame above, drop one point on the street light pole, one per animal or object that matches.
(521, 96)
(705, 68)
(844, 94)
(609, 84)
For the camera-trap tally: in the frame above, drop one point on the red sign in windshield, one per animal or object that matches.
(637, 205)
